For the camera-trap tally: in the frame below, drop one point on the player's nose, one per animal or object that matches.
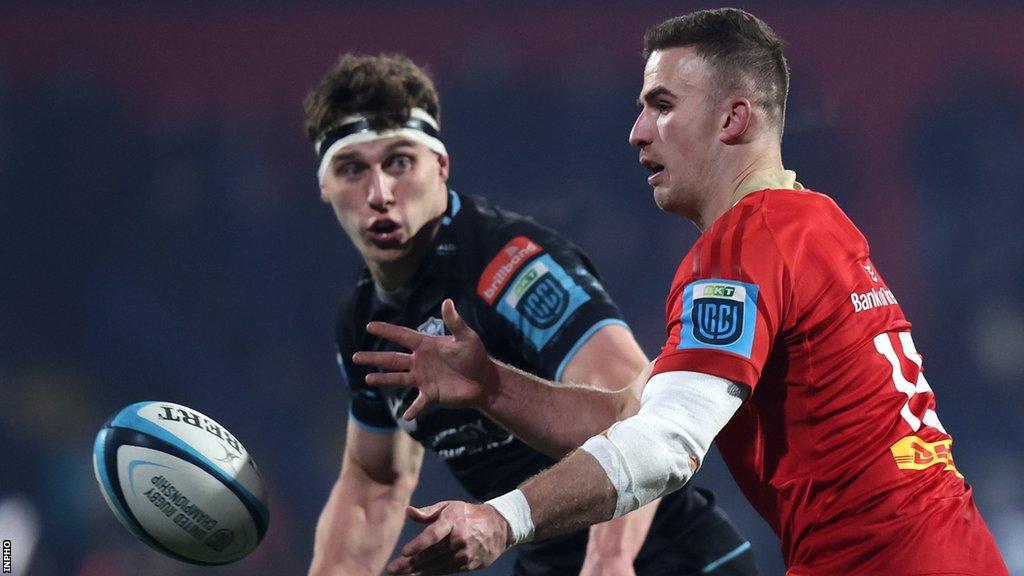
(640, 134)
(380, 195)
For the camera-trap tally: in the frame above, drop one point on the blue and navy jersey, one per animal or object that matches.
(533, 297)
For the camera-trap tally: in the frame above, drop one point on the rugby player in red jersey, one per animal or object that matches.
(784, 344)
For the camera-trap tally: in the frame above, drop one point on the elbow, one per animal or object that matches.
(404, 486)
(627, 404)
(644, 460)
(679, 472)
(371, 492)
(674, 460)
(660, 449)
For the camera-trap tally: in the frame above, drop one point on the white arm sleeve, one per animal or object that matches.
(649, 455)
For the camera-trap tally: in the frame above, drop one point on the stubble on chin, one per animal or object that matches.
(677, 203)
(668, 200)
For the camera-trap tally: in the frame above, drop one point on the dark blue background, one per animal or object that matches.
(162, 235)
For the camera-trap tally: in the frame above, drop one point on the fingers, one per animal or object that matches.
(438, 549)
(402, 565)
(401, 379)
(400, 335)
(426, 513)
(444, 564)
(435, 558)
(388, 361)
(447, 564)
(385, 360)
(431, 535)
(456, 325)
(418, 405)
(446, 561)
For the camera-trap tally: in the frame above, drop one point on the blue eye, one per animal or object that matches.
(399, 164)
(349, 169)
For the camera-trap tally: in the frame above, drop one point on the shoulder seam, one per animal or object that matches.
(786, 264)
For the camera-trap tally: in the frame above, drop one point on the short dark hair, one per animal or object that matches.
(384, 88)
(742, 50)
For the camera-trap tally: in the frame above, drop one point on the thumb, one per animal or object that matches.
(418, 405)
(425, 514)
(453, 321)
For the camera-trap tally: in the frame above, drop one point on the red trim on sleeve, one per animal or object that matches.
(722, 364)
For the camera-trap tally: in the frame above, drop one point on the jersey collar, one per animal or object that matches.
(768, 180)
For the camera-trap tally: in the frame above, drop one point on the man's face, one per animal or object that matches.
(384, 192)
(677, 129)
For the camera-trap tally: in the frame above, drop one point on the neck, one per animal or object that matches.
(394, 274)
(727, 192)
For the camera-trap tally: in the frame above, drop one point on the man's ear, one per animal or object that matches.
(444, 163)
(737, 120)
(323, 195)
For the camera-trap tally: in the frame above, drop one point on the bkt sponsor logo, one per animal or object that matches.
(719, 290)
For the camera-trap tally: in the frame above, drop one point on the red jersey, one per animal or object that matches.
(838, 446)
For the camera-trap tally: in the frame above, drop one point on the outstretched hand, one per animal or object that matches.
(453, 371)
(458, 537)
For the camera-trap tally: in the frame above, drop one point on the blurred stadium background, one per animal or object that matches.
(163, 237)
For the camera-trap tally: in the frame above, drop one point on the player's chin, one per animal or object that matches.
(385, 251)
(664, 198)
(390, 253)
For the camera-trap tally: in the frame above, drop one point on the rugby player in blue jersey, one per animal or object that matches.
(532, 296)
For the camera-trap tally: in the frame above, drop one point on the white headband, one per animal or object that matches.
(356, 129)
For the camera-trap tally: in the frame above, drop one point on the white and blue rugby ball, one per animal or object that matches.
(181, 482)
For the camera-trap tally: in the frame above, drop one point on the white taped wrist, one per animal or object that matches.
(610, 458)
(514, 508)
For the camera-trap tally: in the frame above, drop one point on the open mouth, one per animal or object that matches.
(654, 168)
(384, 231)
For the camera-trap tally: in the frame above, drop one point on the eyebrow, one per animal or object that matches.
(399, 144)
(653, 94)
(345, 156)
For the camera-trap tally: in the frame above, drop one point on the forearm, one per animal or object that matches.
(621, 537)
(358, 528)
(558, 506)
(535, 410)
(632, 464)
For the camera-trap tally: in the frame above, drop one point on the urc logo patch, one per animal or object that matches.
(717, 315)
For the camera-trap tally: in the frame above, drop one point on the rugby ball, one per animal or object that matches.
(181, 483)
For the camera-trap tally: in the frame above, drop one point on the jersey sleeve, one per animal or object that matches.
(543, 294)
(367, 406)
(724, 311)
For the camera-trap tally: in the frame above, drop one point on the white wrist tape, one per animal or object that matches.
(649, 455)
(514, 508)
